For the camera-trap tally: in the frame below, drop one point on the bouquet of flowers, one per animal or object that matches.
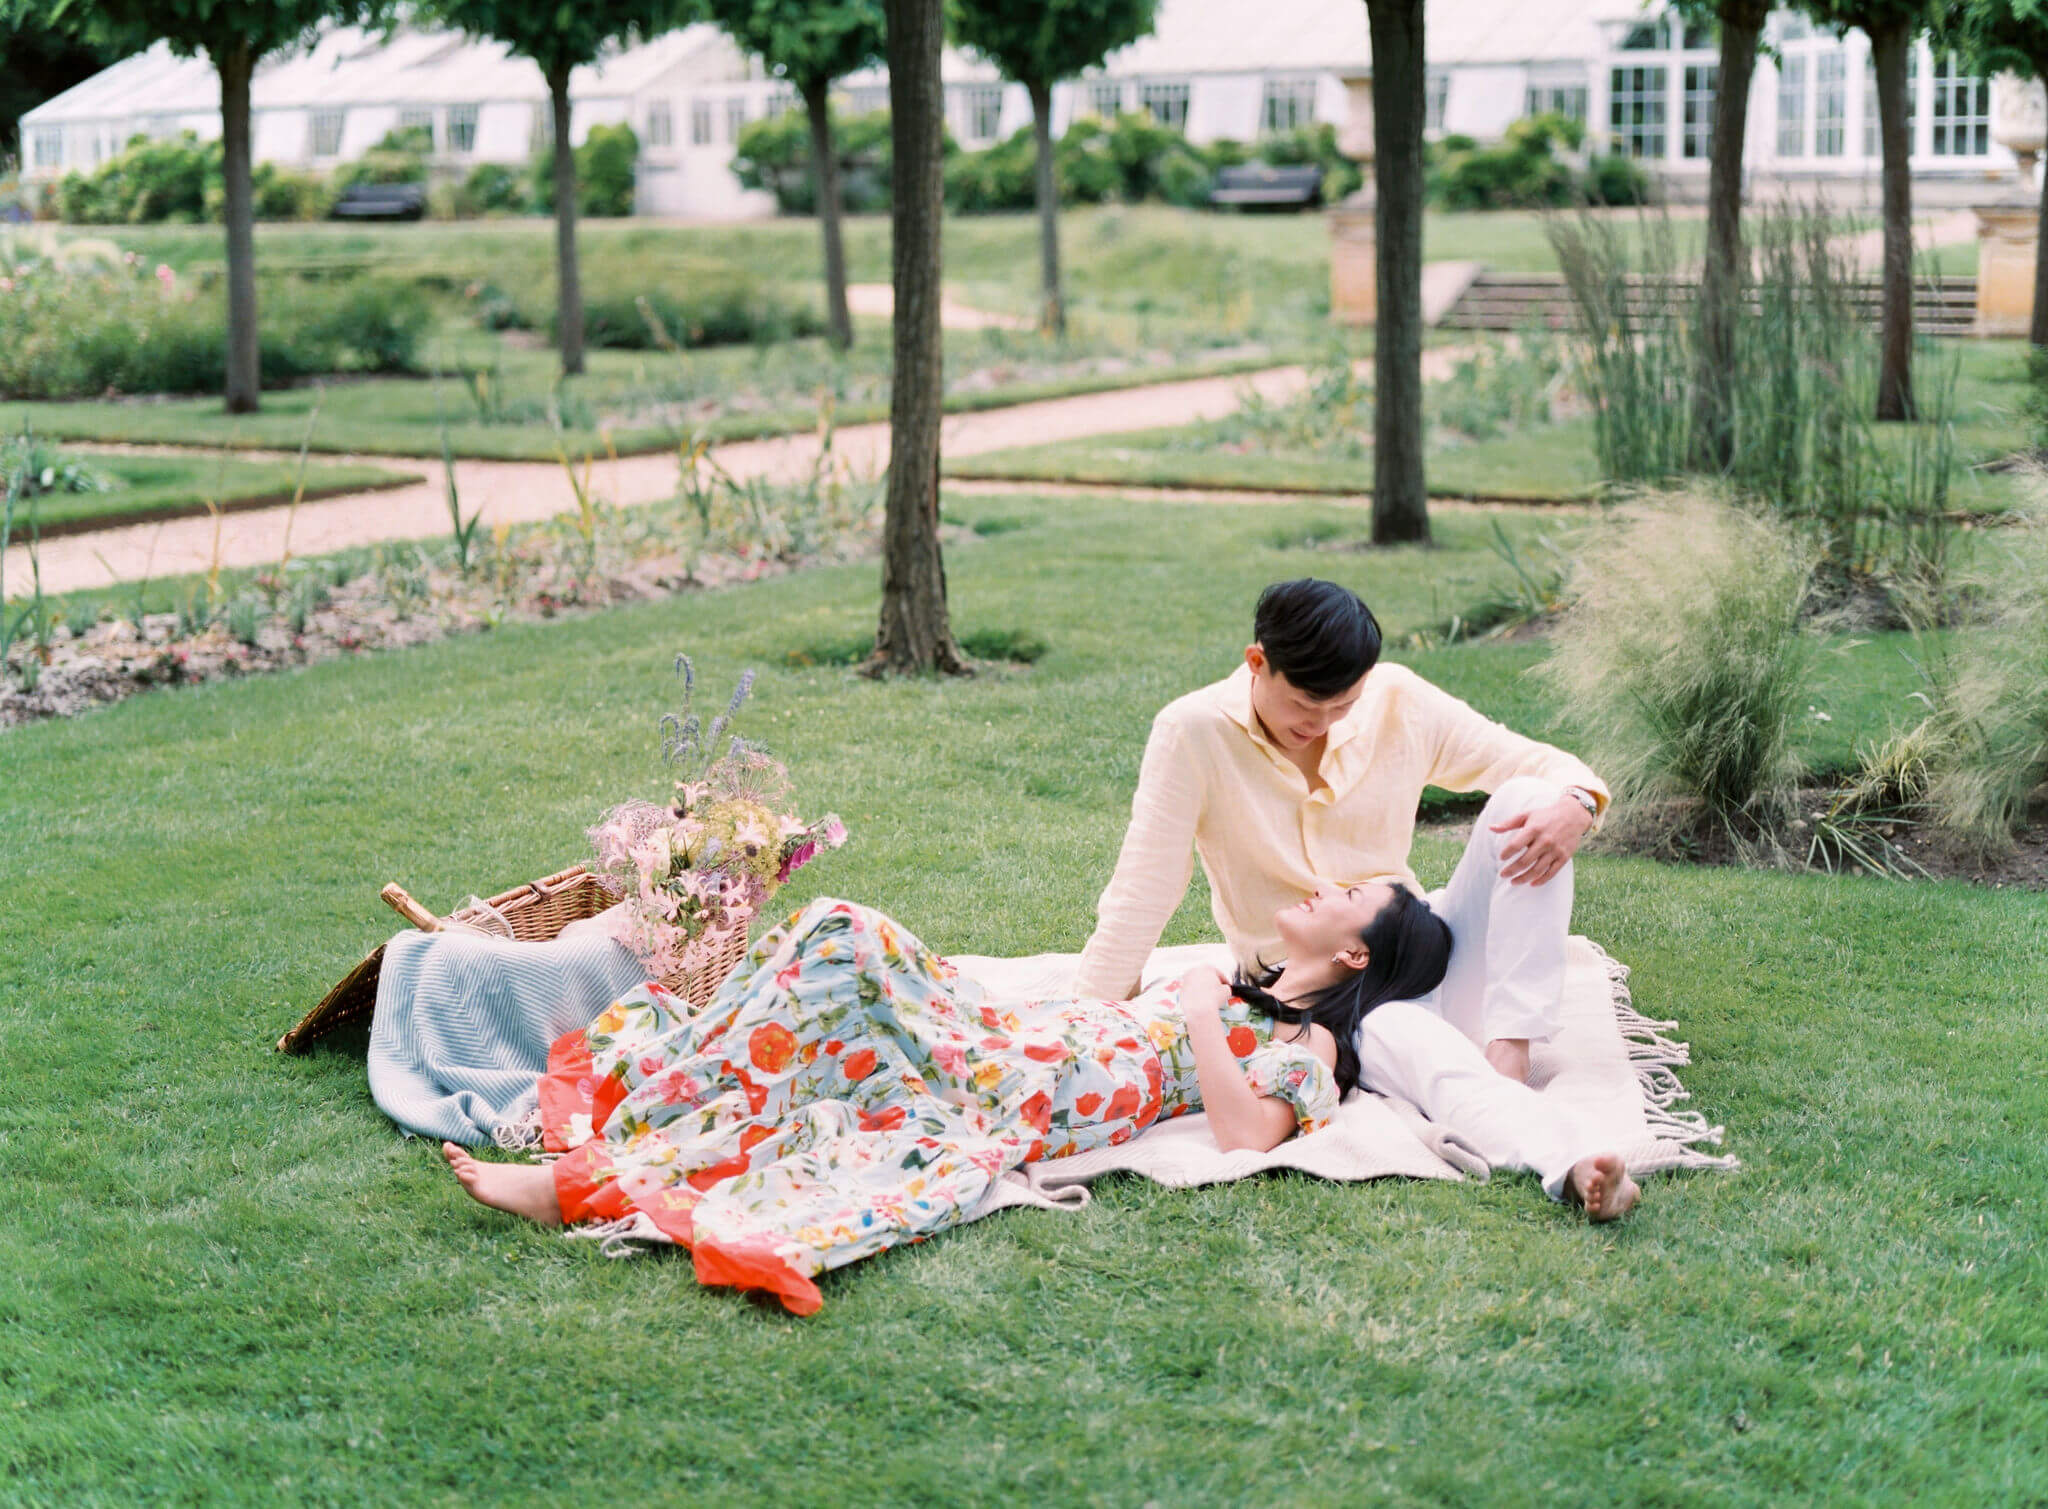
(704, 864)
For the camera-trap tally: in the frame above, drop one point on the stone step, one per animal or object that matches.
(1513, 301)
(1516, 299)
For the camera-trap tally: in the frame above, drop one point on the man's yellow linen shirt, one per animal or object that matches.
(1213, 784)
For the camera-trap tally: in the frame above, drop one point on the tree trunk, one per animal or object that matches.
(235, 65)
(825, 177)
(1726, 268)
(2037, 332)
(1400, 503)
(1053, 318)
(915, 633)
(1891, 48)
(568, 281)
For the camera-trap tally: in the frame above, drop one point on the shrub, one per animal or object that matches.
(401, 157)
(1683, 660)
(1132, 158)
(1182, 178)
(1086, 171)
(360, 324)
(41, 467)
(150, 181)
(281, 194)
(1521, 172)
(605, 170)
(712, 313)
(492, 188)
(81, 335)
(1307, 144)
(1613, 178)
(775, 154)
(1001, 177)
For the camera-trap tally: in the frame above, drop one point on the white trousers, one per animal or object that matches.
(1506, 979)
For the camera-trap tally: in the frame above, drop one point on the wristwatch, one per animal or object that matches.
(1585, 799)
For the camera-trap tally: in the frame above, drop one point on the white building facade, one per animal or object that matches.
(1642, 82)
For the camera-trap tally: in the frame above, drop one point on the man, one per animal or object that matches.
(1303, 768)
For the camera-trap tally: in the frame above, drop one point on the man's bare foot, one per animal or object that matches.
(1601, 1184)
(1510, 1055)
(525, 1189)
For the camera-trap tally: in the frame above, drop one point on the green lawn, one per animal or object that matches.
(1545, 463)
(146, 487)
(1554, 463)
(225, 1278)
(628, 401)
(1152, 294)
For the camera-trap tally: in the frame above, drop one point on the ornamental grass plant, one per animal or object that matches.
(1971, 768)
(1875, 500)
(1684, 659)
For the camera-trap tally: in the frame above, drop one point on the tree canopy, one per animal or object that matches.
(40, 60)
(556, 34)
(1866, 14)
(1055, 39)
(812, 42)
(2000, 36)
(209, 26)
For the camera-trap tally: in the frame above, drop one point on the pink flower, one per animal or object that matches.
(166, 279)
(6, 285)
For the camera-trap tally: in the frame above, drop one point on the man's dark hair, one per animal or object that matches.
(1320, 636)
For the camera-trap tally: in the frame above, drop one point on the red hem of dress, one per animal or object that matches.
(586, 1187)
(752, 1264)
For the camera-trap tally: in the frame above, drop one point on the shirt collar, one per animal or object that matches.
(1236, 701)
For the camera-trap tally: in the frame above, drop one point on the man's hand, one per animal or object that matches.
(1544, 841)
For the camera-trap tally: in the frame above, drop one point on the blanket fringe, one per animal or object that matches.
(521, 1135)
(630, 1236)
(1657, 1059)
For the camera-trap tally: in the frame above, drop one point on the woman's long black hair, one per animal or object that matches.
(1408, 948)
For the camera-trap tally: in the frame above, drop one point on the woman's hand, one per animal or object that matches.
(1205, 990)
(1239, 1117)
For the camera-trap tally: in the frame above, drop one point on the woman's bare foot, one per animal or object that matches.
(1601, 1184)
(525, 1189)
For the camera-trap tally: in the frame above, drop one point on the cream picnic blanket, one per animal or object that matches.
(1617, 1069)
(1614, 1067)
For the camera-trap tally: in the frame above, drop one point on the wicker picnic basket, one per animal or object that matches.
(536, 913)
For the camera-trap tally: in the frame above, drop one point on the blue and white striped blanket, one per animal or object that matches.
(464, 1022)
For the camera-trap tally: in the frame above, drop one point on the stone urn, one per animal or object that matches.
(1354, 275)
(2019, 121)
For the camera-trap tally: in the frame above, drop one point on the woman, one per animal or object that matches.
(847, 1090)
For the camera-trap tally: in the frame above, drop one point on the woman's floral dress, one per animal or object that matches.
(846, 1091)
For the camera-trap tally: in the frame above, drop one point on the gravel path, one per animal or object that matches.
(526, 491)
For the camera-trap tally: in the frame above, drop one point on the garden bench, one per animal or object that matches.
(381, 201)
(1261, 185)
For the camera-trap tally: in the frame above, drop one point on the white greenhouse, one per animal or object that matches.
(1642, 82)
